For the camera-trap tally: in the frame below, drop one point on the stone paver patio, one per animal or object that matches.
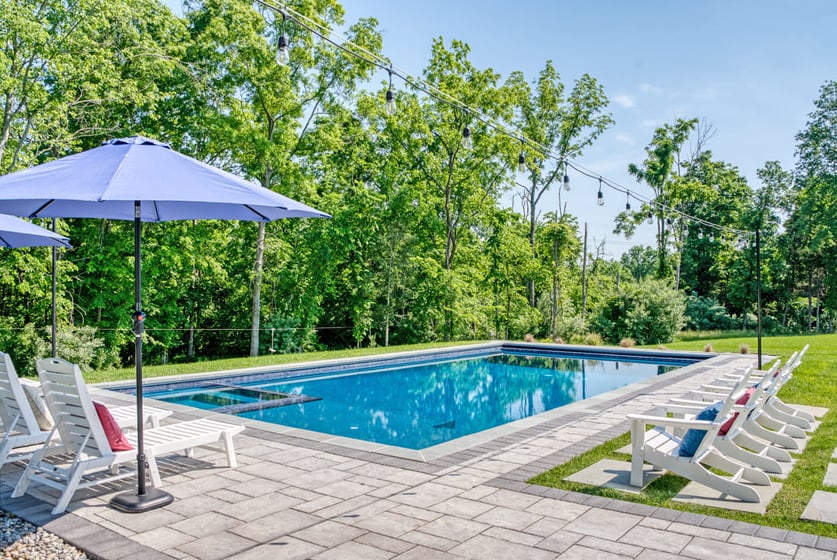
(300, 496)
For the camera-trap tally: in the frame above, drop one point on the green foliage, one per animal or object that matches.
(650, 312)
(706, 313)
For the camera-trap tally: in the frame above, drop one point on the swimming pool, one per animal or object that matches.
(421, 401)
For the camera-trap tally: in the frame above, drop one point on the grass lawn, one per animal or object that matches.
(814, 383)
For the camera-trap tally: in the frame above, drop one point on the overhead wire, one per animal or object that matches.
(386, 64)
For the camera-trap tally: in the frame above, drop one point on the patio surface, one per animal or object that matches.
(297, 495)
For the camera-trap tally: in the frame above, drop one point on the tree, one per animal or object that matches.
(563, 126)
(662, 171)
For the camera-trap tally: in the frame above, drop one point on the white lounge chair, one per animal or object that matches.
(24, 423)
(78, 454)
(660, 447)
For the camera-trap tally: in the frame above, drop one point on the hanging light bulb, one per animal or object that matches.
(466, 138)
(628, 201)
(700, 234)
(566, 178)
(650, 218)
(711, 237)
(521, 163)
(283, 56)
(390, 97)
(600, 196)
(668, 221)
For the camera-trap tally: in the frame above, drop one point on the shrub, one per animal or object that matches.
(627, 343)
(706, 313)
(650, 312)
(593, 339)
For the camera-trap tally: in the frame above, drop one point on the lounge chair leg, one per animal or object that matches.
(230, 448)
(151, 461)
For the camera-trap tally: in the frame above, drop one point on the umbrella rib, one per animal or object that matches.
(5, 243)
(256, 212)
(156, 212)
(42, 208)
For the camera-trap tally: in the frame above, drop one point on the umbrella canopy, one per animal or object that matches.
(15, 233)
(143, 180)
(105, 182)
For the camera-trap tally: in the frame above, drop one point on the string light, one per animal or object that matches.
(650, 218)
(521, 163)
(416, 83)
(283, 57)
(627, 200)
(390, 96)
(600, 196)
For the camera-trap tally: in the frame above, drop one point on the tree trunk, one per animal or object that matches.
(810, 302)
(258, 270)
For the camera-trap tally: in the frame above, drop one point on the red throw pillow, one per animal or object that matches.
(741, 400)
(116, 438)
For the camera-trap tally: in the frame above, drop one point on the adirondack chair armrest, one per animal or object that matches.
(672, 422)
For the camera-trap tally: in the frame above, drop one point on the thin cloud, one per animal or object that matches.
(648, 88)
(625, 139)
(624, 100)
(650, 123)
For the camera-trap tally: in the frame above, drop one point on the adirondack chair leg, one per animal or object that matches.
(788, 409)
(775, 425)
(72, 485)
(25, 478)
(728, 448)
(747, 441)
(736, 469)
(637, 458)
(786, 418)
(757, 430)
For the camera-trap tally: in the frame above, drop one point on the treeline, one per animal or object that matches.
(421, 246)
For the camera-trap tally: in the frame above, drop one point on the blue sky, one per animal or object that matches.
(751, 68)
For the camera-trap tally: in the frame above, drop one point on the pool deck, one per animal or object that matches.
(300, 495)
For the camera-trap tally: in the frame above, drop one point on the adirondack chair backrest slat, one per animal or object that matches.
(13, 401)
(72, 408)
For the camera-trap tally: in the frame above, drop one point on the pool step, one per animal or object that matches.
(262, 398)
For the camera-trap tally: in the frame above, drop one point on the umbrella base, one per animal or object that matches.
(153, 498)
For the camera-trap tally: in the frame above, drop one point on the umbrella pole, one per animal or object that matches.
(54, 311)
(152, 498)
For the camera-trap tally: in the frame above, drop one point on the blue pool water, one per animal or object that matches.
(419, 405)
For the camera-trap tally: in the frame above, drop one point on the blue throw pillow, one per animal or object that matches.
(692, 438)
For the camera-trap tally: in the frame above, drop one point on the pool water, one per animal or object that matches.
(420, 405)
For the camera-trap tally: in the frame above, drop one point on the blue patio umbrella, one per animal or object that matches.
(143, 180)
(15, 233)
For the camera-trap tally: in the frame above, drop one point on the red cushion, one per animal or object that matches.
(116, 438)
(741, 400)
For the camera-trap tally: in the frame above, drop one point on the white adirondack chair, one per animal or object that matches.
(77, 453)
(736, 443)
(660, 447)
(21, 429)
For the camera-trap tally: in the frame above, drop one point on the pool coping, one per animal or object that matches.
(447, 450)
